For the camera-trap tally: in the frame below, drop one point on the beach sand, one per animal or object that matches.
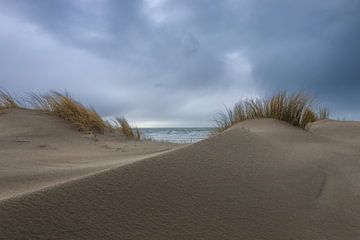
(260, 179)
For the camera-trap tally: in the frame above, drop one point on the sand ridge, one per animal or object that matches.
(261, 179)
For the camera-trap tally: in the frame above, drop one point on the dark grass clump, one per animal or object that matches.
(65, 107)
(296, 109)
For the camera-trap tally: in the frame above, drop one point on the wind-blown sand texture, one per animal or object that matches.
(37, 151)
(261, 179)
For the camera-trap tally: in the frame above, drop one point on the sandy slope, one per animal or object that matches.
(261, 179)
(38, 151)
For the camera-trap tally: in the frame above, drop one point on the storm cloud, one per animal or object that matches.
(177, 63)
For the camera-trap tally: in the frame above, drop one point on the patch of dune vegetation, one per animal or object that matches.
(123, 125)
(296, 109)
(7, 101)
(64, 106)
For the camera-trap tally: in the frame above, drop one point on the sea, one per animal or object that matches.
(176, 135)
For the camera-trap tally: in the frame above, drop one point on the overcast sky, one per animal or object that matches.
(177, 63)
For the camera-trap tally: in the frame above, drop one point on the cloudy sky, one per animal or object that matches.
(177, 63)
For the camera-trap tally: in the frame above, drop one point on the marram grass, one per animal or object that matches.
(122, 125)
(64, 106)
(7, 101)
(296, 109)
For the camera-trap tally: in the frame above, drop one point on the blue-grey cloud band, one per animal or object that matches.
(181, 61)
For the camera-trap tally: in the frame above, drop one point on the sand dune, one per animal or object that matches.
(37, 151)
(261, 179)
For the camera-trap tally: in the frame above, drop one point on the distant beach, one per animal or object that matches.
(176, 135)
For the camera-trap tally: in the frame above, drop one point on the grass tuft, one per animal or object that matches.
(296, 109)
(137, 135)
(65, 107)
(324, 113)
(123, 125)
(7, 101)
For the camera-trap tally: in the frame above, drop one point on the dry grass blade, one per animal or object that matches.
(41, 102)
(324, 113)
(124, 127)
(137, 135)
(7, 101)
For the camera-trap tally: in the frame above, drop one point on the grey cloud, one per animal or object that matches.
(173, 53)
